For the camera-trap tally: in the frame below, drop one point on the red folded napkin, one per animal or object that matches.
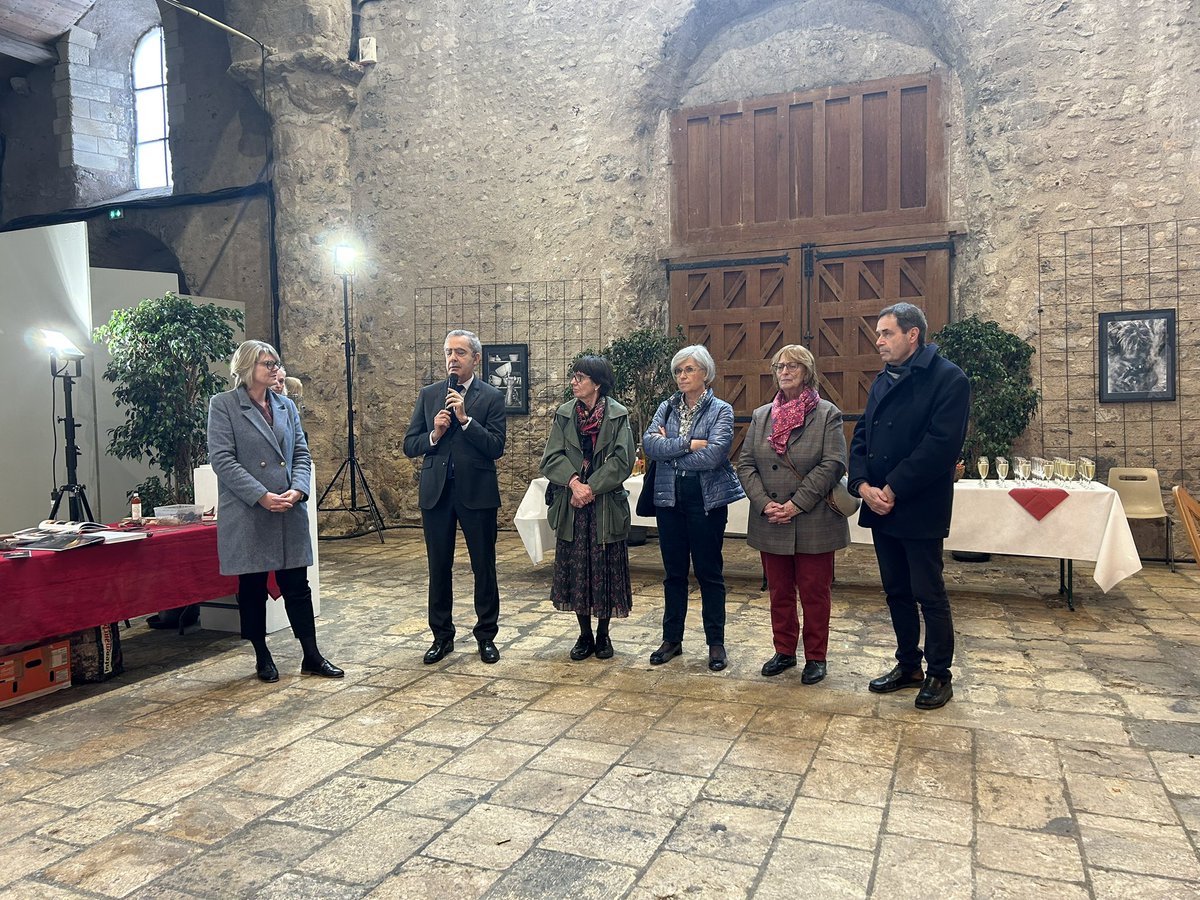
(1038, 502)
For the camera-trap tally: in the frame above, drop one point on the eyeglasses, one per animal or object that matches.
(787, 367)
(271, 364)
(687, 370)
(579, 376)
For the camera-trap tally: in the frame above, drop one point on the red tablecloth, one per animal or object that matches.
(58, 593)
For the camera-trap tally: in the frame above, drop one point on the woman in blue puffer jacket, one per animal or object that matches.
(689, 439)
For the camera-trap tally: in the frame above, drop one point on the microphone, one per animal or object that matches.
(452, 382)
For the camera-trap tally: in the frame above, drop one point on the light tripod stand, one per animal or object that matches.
(76, 494)
(350, 468)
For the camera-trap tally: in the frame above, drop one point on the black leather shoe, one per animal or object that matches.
(324, 668)
(814, 671)
(438, 649)
(604, 648)
(717, 660)
(934, 694)
(584, 647)
(488, 652)
(777, 664)
(267, 672)
(668, 650)
(896, 680)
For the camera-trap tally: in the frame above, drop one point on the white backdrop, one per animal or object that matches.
(46, 282)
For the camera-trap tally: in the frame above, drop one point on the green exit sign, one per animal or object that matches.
(116, 213)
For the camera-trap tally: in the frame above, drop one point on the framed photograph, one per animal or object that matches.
(1137, 356)
(506, 368)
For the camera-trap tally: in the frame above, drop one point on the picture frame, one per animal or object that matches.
(506, 368)
(1137, 356)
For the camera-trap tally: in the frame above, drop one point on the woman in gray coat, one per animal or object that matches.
(259, 454)
(794, 453)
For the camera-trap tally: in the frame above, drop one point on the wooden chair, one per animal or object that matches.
(1141, 495)
(1189, 513)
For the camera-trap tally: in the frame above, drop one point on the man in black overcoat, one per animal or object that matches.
(902, 460)
(459, 427)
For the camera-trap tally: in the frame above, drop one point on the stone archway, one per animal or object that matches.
(133, 248)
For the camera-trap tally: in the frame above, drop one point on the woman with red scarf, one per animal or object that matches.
(589, 454)
(794, 453)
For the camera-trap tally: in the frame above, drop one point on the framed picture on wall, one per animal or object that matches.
(1137, 356)
(506, 368)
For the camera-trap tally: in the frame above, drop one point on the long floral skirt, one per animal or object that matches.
(590, 578)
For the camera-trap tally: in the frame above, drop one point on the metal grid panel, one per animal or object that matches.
(558, 320)
(1129, 268)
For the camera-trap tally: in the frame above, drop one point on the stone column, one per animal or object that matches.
(310, 97)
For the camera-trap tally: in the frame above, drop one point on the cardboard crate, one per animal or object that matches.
(35, 673)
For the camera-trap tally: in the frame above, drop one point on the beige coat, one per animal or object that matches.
(818, 453)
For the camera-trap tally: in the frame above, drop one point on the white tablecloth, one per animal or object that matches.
(1090, 525)
(537, 536)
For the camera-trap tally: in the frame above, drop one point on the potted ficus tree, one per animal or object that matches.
(1003, 398)
(641, 362)
(162, 353)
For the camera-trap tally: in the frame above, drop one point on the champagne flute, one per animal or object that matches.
(982, 467)
(1024, 469)
(1087, 470)
(1068, 471)
(1001, 468)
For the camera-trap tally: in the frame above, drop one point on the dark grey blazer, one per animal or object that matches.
(251, 458)
(474, 449)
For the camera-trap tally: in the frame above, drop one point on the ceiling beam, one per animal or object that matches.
(27, 51)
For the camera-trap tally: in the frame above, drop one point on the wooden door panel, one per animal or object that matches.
(846, 294)
(802, 164)
(743, 313)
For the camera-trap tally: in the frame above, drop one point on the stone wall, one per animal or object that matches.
(508, 141)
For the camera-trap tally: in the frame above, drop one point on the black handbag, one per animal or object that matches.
(645, 503)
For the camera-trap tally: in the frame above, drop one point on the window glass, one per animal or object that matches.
(152, 161)
(151, 115)
(152, 165)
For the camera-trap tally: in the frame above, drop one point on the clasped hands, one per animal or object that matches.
(581, 494)
(280, 502)
(781, 513)
(454, 406)
(880, 500)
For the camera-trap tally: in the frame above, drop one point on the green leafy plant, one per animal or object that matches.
(1003, 399)
(641, 362)
(162, 351)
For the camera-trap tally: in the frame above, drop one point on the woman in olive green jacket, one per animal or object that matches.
(589, 454)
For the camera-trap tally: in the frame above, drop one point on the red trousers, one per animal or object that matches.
(811, 574)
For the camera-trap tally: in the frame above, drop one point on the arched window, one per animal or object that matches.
(152, 162)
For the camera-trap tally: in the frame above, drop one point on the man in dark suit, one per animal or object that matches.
(902, 460)
(458, 426)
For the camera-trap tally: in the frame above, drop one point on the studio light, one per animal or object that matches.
(63, 350)
(343, 259)
(343, 265)
(60, 346)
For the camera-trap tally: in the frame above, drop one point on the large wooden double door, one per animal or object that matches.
(796, 218)
(744, 310)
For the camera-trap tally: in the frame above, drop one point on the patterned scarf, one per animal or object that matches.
(788, 415)
(686, 416)
(588, 422)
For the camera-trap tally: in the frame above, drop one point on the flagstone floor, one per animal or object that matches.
(1066, 765)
